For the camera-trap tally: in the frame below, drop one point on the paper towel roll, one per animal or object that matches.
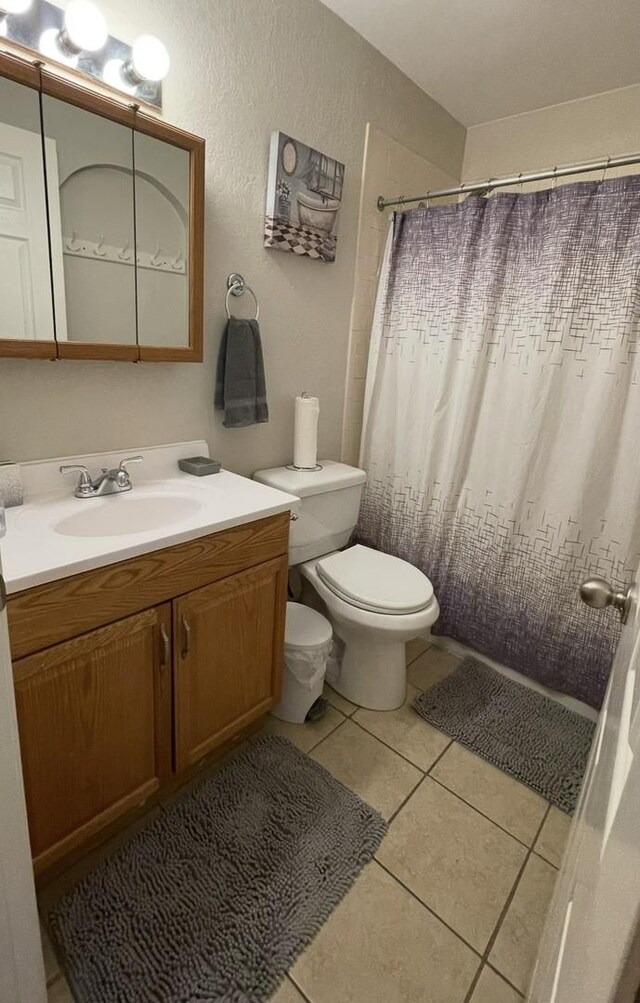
(305, 433)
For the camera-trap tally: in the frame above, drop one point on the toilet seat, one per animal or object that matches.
(375, 581)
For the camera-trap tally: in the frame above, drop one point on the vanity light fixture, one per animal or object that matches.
(12, 7)
(78, 38)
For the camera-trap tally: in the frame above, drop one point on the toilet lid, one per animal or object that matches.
(376, 582)
(305, 628)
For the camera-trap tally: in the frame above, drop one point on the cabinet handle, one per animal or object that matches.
(186, 637)
(165, 661)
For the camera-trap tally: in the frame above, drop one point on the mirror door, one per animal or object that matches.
(169, 199)
(90, 173)
(26, 312)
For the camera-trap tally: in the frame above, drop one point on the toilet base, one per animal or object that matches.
(373, 673)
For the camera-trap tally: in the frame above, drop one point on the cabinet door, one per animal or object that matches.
(228, 656)
(95, 729)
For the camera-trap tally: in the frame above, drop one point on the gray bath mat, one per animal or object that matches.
(216, 898)
(523, 733)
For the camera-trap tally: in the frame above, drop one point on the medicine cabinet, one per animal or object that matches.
(101, 225)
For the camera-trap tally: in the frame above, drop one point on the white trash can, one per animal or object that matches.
(307, 646)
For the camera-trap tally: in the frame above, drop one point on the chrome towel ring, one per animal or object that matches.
(236, 286)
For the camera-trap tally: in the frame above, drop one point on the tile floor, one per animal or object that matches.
(452, 908)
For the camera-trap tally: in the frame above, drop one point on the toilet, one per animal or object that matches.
(375, 602)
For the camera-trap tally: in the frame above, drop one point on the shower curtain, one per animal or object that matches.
(502, 419)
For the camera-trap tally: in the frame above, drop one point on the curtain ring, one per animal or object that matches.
(605, 169)
(554, 183)
(520, 182)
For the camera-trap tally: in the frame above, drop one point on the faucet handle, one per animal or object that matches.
(130, 459)
(85, 484)
(122, 475)
(74, 466)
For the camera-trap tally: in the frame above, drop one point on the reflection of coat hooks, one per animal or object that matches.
(124, 253)
(74, 244)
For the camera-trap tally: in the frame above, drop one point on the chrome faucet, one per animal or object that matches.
(109, 482)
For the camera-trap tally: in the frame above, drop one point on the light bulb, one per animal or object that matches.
(114, 75)
(14, 6)
(50, 45)
(149, 59)
(85, 28)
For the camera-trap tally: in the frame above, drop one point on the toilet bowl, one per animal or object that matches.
(375, 603)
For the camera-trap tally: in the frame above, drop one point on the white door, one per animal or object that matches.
(25, 278)
(590, 948)
(21, 965)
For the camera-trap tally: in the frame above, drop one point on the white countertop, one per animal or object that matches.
(43, 541)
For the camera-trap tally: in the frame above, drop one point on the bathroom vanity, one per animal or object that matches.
(138, 653)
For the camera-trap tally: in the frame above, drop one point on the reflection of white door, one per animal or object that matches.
(55, 238)
(25, 278)
(590, 949)
(21, 964)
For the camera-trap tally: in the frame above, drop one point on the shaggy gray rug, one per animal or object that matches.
(523, 733)
(217, 898)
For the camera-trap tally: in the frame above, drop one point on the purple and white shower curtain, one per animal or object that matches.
(502, 419)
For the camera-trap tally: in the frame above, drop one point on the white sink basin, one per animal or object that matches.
(121, 515)
(54, 535)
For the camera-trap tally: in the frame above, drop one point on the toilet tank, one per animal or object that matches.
(328, 510)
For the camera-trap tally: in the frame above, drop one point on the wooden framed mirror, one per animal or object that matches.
(115, 238)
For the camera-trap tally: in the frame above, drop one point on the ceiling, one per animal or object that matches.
(486, 59)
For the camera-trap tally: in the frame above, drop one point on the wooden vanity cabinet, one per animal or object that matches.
(228, 659)
(95, 729)
(127, 676)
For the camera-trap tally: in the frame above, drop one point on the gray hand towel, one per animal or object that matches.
(241, 390)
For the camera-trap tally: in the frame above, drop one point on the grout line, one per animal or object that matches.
(484, 956)
(403, 803)
(474, 982)
(298, 987)
(504, 978)
(420, 655)
(527, 846)
(428, 908)
(438, 758)
(510, 897)
(387, 746)
(329, 734)
(355, 705)
(537, 854)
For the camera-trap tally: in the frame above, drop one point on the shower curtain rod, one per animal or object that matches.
(515, 179)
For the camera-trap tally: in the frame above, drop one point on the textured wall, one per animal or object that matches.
(598, 126)
(240, 68)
